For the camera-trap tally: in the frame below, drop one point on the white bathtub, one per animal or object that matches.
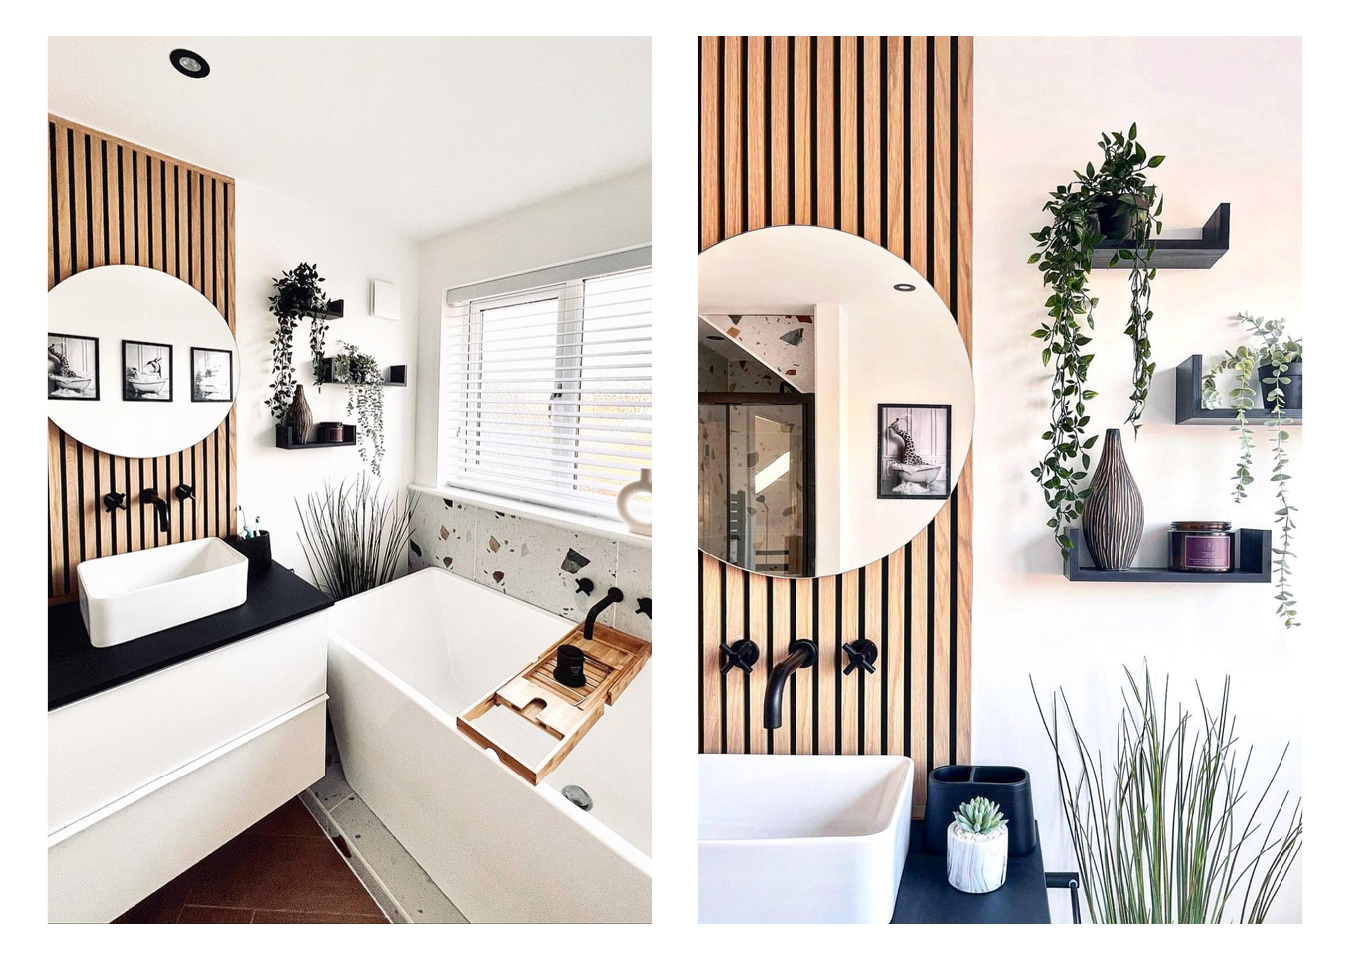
(404, 660)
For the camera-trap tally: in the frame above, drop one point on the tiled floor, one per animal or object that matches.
(283, 869)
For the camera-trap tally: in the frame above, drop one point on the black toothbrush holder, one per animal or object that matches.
(951, 786)
(257, 549)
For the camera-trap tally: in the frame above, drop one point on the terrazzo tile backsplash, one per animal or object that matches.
(532, 561)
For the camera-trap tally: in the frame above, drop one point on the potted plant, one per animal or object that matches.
(977, 847)
(365, 396)
(1277, 362)
(1114, 200)
(297, 296)
(1156, 829)
(354, 537)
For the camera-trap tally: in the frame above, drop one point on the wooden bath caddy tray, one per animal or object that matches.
(613, 659)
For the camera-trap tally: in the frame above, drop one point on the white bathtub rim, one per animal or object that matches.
(563, 622)
(592, 825)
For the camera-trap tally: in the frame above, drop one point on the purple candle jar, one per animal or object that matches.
(1202, 546)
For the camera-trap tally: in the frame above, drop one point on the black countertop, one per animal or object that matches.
(926, 897)
(77, 669)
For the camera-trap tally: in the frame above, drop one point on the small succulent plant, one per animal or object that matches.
(980, 816)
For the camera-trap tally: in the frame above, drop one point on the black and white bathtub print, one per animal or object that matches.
(212, 375)
(72, 367)
(914, 451)
(147, 371)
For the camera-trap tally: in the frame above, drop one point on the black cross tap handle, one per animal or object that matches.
(743, 654)
(645, 606)
(584, 585)
(861, 653)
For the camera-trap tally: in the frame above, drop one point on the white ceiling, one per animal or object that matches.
(422, 134)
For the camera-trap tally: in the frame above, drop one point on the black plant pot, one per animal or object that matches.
(951, 786)
(1293, 390)
(257, 549)
(1116, 218)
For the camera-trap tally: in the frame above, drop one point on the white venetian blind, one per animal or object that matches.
(546, 393)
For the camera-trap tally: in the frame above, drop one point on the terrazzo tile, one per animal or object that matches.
(635, 580)
(784, 343)
(541, 563)
(333, 788)
(443, 532)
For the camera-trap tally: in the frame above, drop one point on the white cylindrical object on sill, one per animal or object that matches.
(641, 485)
(977, 863)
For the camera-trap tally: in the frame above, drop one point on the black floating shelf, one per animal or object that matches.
(1191, 411)
(1253, 556)
(331, 312)
(395, 376)
(286, 438)
(1174, 254)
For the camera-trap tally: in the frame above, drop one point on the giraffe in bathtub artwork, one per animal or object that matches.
(914, 451)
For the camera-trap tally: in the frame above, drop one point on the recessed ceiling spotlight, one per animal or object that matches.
(189, 64)
(905, 287)
(714, 337)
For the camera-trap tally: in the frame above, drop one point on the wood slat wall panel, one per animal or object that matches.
(871, 135)
(114, 202)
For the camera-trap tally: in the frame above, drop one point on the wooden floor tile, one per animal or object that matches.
(192, 914)
(291, 819)
(286, 916)
(262, 872)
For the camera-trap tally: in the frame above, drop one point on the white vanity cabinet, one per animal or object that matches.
(150, 776)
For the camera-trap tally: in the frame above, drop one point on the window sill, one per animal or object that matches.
(597, 526)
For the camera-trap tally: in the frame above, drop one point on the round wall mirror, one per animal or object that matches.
(139, 364)
(835, 401)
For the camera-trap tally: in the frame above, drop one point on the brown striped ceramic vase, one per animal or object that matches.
(1113, 517)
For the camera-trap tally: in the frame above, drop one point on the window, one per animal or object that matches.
(546, 393)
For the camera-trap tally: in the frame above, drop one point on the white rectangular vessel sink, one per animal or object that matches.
(135, 594)
(801, 839)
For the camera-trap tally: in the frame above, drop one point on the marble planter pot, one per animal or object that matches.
(975, 863)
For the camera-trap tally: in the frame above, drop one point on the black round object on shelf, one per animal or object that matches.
(571, 668)
(189, 64)
(951, 786)
(1293, 390)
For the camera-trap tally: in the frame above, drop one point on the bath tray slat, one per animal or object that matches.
(613, 659)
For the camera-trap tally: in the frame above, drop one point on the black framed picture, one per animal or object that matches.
(914, 451)
(72, 367)
(147, 371)
(212, 375)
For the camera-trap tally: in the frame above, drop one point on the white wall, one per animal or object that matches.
(274, 233)
(605, 216)
(1226, 113)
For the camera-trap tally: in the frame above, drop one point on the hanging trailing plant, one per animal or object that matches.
(1274, 354)
(298, 296)
(365, 396)
(1114, 200)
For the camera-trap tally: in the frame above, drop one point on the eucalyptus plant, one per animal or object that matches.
(1158, 835)
(361, 373)
(1276, 350)
(1067, 244)
(298, 295)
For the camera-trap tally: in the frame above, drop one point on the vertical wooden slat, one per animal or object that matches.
(63, 240)
(179, 204)
(734, 615)
(942, 586)
(803, 157)
(917, 603)
(96, 193)
(918, 154)
(825, 214)
(733, 157)
(128, 206)
(56, 529)
(965, 499)
(80, 241)
(756, 151)
(759, 632)
(152, 215)
(710, 159)
(781, 637)
(113, 173)
(940, 175)
(805, 681)
(848, 685)
(781, 143)
(848, 135)
(826, 640)
(712, 663)
(872, 681)
(871, 139)
(897, 694)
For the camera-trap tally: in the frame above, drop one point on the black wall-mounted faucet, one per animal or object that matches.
(184, 491)
(614, 595)
(801, 653)
(112, 502)
(149, 496)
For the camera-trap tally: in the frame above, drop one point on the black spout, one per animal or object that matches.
(801, 653)
(161, 508)
(613, 596)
